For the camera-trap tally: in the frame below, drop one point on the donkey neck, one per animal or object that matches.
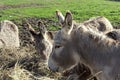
(93, 46)
(89, 37)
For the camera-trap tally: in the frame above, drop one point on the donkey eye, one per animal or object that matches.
(57, 46)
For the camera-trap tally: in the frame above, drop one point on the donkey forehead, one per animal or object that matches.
(60, 37)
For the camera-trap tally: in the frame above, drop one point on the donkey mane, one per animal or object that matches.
(95, 39)
(99, 23)
(92, 19)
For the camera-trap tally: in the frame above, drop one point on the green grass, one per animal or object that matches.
(81, 9)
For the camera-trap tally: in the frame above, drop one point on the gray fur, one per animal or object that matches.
(87, 46)
(43, 40)
(9, 35)
(98, 23)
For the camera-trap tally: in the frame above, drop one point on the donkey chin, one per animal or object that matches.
(53, 66)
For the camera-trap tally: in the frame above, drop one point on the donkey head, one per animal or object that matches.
(43, 40)
(59, 59)
(67, 27)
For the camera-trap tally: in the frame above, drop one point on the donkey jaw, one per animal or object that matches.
(56, 69)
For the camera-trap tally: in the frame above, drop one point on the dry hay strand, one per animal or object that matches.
(19, 73)
(24, 64)
(8, 57)
(80, 72)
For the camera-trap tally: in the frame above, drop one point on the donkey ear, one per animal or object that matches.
(32, 31)
(50, 35)
(68, 19)
(112, 35)
(42, 27)
(60, 17)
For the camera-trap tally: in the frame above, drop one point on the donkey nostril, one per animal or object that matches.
(55, 69)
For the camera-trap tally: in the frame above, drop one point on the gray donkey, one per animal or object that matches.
(43, 40)
(99, 23)
(84, 45)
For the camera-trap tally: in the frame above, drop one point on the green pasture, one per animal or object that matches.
(81, 9)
